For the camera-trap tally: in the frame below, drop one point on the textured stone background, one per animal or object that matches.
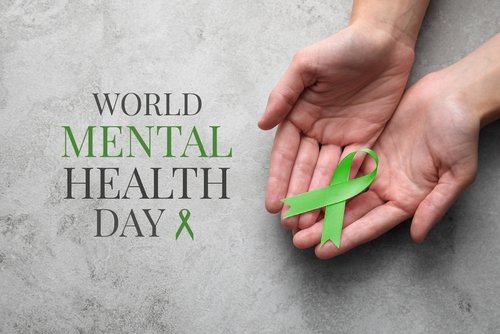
(241, 274)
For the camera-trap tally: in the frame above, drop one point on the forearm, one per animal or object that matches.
(475, 80)
(401, 18)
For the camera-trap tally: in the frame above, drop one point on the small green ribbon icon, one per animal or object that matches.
(184, 215)
(333, 197)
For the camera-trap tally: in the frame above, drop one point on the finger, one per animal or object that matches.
(299, 75)
(308, 237)
(370, 226)
(301, 174)
(355, 209)
(434, 206)
(286, 144)
(327, 161)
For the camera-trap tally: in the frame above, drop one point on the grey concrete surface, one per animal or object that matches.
(241, 274)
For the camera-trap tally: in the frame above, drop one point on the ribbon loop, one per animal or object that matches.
(184, 215)
(333, 197)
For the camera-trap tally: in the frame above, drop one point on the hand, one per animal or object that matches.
(337, 93)
(428, 153)
(428, 156)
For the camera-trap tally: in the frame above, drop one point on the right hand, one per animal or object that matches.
(428, 156)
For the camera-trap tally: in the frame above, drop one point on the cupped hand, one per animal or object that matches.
(338, 93)
(428, 156)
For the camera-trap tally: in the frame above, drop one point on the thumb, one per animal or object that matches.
(435, 205)
(299, 75)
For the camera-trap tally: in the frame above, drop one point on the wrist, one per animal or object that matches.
(474, 81)
(485, 106)
(399, 19)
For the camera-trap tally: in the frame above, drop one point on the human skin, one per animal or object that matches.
(338, 93)
(428, 153)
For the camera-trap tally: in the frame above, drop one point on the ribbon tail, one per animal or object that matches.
(332, 223)
(322, 197)
(188, 229)
(308, 201)
(190, 232)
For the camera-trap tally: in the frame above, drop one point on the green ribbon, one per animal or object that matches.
(184, 215)
(333, 197)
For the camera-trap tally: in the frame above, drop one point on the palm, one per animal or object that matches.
(426, 152)
(338, 93)
(424, 166)
(357, 85)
